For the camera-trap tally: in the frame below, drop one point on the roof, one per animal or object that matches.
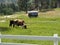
(32, 11)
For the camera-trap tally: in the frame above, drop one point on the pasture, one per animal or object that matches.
(46, 24)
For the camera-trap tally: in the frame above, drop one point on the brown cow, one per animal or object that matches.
(17, 22)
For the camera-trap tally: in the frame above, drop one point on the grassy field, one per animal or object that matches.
(46, 24)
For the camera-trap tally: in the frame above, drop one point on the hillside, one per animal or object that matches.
(46, 24)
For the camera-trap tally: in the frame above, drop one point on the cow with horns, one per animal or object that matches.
(18, 22)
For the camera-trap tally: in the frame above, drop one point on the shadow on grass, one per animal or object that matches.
(4, 29)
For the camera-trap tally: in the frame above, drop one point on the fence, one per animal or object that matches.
(54, 38)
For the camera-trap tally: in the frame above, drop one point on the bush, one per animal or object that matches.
(7, 11)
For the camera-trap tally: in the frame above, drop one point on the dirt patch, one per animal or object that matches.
(2, 20)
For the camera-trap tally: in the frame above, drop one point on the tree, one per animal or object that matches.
(58, 3)
(4, 9)
(1, 7)
(14, 7)
(7, 11)
(22, 5)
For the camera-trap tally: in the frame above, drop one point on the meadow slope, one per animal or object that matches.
(46, 24)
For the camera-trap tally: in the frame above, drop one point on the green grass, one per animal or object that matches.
(44, 25)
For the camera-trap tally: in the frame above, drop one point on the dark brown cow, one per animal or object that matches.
(17, 23)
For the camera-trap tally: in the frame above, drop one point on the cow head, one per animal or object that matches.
(25, 26)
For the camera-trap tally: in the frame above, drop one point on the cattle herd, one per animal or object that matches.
(18, 22)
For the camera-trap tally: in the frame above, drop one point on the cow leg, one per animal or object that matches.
(14, 24)
(10, 24)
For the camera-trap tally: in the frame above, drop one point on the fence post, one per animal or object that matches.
(56, 40)
(0, 38)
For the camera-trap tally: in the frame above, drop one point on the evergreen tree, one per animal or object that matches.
(23, 5)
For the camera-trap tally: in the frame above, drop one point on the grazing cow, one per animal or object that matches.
(17, 23)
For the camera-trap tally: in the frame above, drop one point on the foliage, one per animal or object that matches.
(14, 7)
(25, 5)
(7, 11)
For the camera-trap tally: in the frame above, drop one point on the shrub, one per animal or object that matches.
(7, 11)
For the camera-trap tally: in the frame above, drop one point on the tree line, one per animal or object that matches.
(26, 5)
